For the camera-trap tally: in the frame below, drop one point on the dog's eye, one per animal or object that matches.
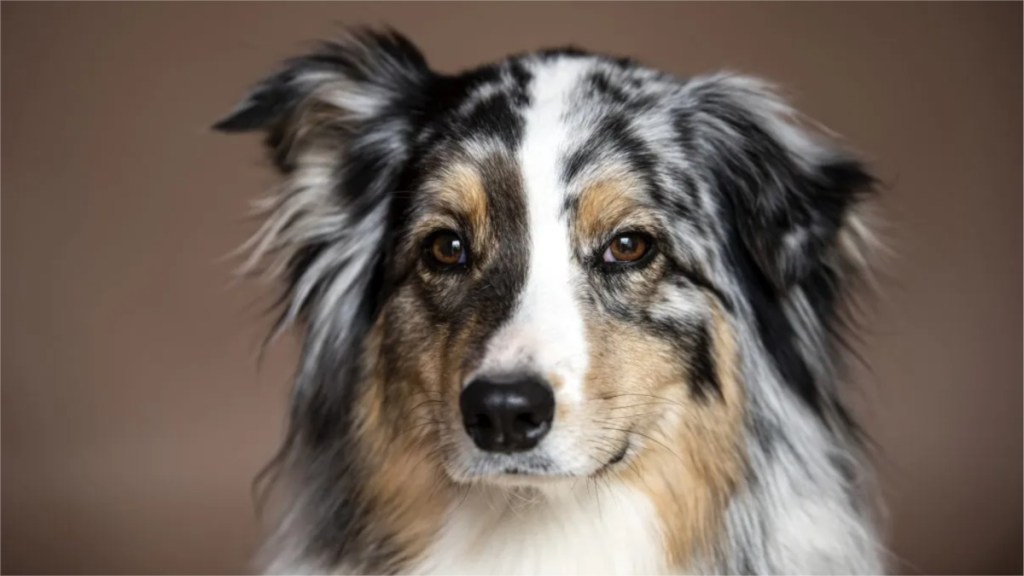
(626, 248)
(445, 249)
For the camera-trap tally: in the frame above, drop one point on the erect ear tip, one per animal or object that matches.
(227, 124)
(264, 105)
(850, 175)
(248, 115)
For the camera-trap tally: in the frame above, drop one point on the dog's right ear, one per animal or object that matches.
(360, 84)
(338, 124)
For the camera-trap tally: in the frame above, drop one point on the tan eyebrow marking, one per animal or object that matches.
(603, 205)
(460, 190)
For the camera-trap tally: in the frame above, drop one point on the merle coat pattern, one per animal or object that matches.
(741, 456)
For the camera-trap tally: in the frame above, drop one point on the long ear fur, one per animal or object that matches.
(791, 190)
(337, 124)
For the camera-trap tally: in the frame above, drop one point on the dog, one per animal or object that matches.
(560, 314)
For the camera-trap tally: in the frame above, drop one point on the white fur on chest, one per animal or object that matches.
(583, 530)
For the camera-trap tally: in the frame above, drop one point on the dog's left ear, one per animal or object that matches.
(790, 188)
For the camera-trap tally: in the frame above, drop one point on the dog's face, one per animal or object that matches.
(548, 299)
(558, 258)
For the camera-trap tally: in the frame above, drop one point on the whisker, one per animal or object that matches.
(651, 438)
(639, 394)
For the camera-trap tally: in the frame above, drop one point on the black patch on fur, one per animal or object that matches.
(703, 371)
(603, 87)
(495, 116)
(576, 161)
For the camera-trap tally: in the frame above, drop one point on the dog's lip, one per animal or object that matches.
(519, 474)
(529, 472)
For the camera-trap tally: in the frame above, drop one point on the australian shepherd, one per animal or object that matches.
(560, 314)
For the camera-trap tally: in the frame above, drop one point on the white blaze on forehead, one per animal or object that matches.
(547, 334)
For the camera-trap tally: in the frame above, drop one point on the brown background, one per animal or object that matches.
(134, 415)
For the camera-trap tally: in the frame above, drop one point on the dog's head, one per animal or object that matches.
(546, 267)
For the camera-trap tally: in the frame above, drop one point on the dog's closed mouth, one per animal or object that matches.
(619, 456)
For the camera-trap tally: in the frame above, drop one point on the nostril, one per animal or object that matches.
(528, 419)
(483, 422)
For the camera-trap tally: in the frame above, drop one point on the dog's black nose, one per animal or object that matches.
(507, 414)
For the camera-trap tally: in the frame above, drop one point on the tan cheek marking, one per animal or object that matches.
(691, 492)
(624, 361)
(436, 358)
(405, 486)
(692, 457)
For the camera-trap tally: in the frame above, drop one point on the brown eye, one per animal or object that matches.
(626, 248)
(445, 250)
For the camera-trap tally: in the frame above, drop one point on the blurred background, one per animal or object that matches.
(135, 414)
